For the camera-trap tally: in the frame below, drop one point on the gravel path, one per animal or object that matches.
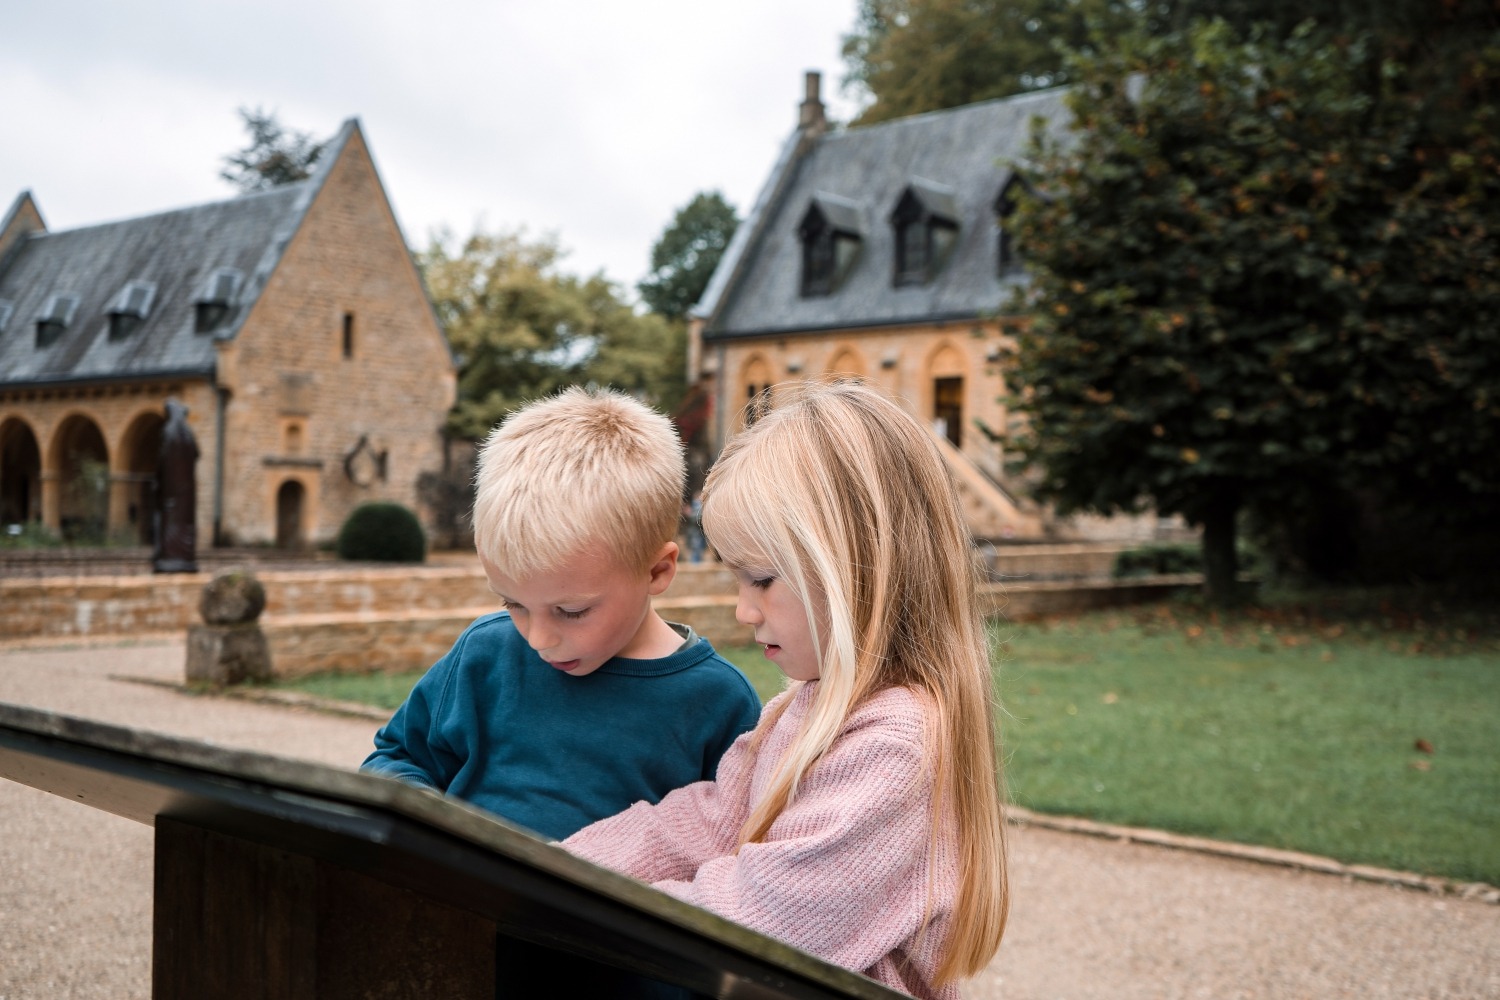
(1092, 917)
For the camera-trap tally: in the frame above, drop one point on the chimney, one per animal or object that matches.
(810, 115)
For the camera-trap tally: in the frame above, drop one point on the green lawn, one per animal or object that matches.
(1366, 729)
(1308, 731)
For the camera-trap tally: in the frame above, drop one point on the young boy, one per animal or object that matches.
(577, 700)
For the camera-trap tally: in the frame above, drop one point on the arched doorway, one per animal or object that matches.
(291, 501)
(20, 474)
(945, 374)
(140, 453)
(81, 459)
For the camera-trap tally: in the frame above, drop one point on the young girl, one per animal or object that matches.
(861, 819)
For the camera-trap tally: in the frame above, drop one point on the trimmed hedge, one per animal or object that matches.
(382, 532)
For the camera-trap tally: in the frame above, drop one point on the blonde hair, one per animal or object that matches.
(845, 497)
(575, 472)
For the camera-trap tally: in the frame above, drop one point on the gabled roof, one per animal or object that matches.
(954, 161)
(176, 252)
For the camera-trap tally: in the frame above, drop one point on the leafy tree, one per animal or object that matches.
(684, 258)
(523, 329)
(911, 56)
(1265, 275)
(276, 155)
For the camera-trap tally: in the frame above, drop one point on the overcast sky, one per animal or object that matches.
(592, 120)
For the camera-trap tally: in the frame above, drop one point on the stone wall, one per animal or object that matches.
(361, 618)
(301, 402)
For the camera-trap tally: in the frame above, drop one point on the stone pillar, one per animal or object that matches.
(229, 648)
(51, 500)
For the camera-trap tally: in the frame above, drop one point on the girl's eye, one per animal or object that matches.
(762, 583)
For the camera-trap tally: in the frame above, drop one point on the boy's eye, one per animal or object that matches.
(512, 607)
(572, 614)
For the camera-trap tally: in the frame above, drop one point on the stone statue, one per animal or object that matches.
(177, 490)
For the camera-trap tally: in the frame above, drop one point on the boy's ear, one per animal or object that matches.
(663, 569)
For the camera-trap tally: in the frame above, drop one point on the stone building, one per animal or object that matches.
(882, 251)
(292, 323)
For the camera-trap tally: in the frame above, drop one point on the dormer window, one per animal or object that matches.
(1007, 256)
(6, 308)
(925, 224)
(129, 308)
(831, 234)
(215, 299)
(54, 318)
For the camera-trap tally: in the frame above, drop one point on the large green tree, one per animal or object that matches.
(911, 56)
(1261, 270)
(683, 259)
(276, 154)
(522, 328)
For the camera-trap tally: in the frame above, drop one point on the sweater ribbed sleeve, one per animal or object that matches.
(843, 872)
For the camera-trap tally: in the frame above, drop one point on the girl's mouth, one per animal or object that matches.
(771, 650)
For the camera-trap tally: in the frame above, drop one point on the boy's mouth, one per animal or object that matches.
(566, 666)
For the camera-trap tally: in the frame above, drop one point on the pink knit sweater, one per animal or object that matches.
(846, 872)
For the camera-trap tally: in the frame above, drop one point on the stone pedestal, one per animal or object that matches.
(229, 648)
(227, 654)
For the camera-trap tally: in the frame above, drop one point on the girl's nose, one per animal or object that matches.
(746, 611)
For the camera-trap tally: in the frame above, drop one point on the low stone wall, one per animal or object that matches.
(362, 619)
(366, 642)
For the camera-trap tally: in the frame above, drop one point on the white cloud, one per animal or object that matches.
(587, 119)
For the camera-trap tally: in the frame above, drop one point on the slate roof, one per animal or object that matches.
(177, 252)
(960, 154)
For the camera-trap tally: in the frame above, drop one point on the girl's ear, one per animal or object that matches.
(663, 569)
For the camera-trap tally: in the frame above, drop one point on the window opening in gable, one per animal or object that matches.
(831, 237)
(54, 318)
(926, 228)
(348, 335)
(1007, 253)
(215, 299)
(129, 309)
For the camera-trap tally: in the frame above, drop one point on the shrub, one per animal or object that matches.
(382, 532)
(1157, 560)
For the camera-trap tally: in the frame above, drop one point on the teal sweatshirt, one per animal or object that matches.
(495, 725)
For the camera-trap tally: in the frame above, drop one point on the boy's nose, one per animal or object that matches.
(540, 639)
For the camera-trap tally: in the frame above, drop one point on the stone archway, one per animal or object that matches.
(291, 507)
(135, 479)
(80, 459)
(20, 473)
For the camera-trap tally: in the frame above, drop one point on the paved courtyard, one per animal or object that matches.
(1092, 918)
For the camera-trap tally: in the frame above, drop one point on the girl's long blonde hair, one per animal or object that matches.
(844, 495)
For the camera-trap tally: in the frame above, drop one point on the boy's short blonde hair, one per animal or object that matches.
(584, 470)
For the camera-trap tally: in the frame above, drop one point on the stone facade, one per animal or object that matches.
(325, 386)
(949, 374)
(884, 251)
